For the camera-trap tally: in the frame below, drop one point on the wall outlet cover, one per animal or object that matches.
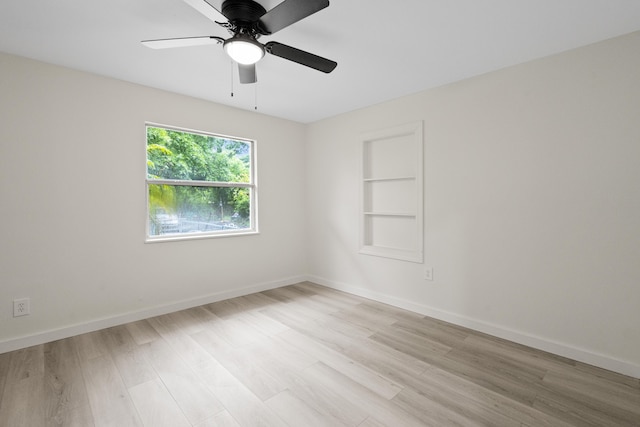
(428, 273)
(21, 307)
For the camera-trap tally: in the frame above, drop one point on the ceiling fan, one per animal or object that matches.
(247, 21)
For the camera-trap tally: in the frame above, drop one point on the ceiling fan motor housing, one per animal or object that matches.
(243, 13)
(247, 20)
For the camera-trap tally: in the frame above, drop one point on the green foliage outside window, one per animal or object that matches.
(191, 158)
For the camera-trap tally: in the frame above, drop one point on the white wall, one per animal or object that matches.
(532, 201)
(532, 204)
(72, 205)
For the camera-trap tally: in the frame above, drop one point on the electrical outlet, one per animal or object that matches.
(428, 273)
(21, 307)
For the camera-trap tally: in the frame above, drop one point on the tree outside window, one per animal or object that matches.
(198, 184)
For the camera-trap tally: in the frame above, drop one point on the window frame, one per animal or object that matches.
(252, 185)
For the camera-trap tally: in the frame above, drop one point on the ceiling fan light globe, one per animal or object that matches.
(244, 51)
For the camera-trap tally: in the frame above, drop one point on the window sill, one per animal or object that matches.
(177, 238)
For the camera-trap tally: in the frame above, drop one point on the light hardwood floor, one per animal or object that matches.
(300, 356)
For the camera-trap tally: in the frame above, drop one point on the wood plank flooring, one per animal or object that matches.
(300, 356)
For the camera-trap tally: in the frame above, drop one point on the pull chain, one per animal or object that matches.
(231, 78)
(255, 96)
(255, 90)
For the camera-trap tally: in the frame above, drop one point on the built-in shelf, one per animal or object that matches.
(391, 193)
(399, 178)
(409, 215)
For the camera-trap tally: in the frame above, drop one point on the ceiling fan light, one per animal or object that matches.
(244, 50)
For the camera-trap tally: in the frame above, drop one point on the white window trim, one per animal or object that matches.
(252, 185)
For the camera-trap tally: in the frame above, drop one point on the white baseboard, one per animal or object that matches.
(107, 322)
(581, 355)
(560, 349)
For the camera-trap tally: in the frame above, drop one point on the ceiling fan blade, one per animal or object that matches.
(247, 73)
(182, 42)
(207, 8)
(289, 12)
(301, 57)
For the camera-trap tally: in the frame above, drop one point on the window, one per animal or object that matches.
(199, 184)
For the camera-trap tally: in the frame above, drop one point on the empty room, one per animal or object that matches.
(295, 213)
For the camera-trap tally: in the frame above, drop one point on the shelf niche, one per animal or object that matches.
(391, 222)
